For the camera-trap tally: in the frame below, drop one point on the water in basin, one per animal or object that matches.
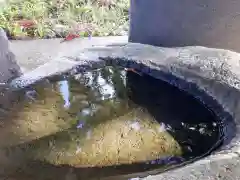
(102, 123)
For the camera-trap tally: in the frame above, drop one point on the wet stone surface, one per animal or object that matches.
(106, 122)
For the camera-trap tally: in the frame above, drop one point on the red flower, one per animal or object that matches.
(70, 37)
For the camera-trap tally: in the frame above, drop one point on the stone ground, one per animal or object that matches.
(223, 165)
(33, 53)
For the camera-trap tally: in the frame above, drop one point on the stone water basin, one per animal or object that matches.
(102, 123)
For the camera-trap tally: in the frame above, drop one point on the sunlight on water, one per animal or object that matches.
(64, 90)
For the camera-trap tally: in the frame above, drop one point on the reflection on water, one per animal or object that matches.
(64, 90)
(101, 123)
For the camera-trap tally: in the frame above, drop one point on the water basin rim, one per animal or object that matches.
(166, 64)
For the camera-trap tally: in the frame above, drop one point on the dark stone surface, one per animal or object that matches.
(169, 23)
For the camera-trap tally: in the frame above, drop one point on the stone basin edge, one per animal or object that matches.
(210, 75)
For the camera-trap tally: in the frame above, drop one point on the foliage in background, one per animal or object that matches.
(57, 18)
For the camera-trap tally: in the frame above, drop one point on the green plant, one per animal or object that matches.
(83, 17)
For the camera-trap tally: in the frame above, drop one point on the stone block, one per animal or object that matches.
(9, 69)
(170, 23)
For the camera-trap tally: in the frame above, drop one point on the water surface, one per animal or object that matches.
(101, 123)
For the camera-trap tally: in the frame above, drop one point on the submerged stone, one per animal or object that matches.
(113, 142)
